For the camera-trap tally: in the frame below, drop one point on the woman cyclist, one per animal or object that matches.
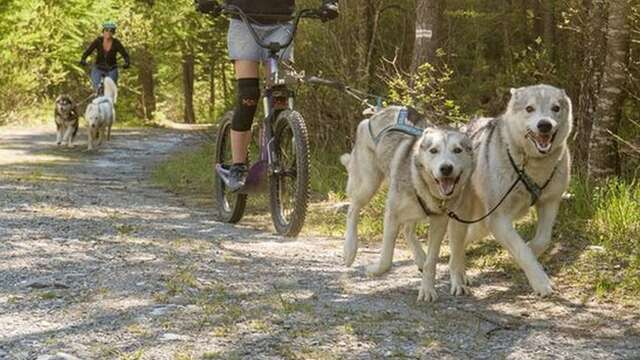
(106, 64)
(246, 54)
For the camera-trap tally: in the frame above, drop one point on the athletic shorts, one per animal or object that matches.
(242, 46)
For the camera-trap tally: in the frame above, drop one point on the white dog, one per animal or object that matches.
(101, 114)
(524, 150)
(426, 175)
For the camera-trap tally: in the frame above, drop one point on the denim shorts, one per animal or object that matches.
(242, 46)
(97, 74)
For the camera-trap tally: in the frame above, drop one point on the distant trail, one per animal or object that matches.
(97, 263)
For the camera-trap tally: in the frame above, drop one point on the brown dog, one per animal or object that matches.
(67, 119)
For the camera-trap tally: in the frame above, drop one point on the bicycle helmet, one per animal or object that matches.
(109, 26)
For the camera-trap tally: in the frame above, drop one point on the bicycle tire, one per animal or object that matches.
(228, 211)
(290, 122)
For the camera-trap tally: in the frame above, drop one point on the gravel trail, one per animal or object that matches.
(97, 263)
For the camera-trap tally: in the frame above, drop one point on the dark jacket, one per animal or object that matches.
(106, 60)
(268, 8)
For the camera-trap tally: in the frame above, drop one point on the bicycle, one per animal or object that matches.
(283, 145)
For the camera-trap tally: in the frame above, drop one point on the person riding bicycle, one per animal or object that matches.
(106, 64)
(271, 20)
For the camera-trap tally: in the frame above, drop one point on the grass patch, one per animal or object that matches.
(188, 172)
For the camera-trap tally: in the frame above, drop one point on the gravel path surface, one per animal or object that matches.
(97, 263)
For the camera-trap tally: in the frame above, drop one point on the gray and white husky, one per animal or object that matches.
(101, 114)
(525, 148)
(66, 118)
(426, 175)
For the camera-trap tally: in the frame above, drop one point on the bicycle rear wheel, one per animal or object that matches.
(230, 205)
(289, 181)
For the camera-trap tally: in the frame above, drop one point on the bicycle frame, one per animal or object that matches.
(277, 97)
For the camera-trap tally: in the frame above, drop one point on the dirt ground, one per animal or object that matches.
(97, 263)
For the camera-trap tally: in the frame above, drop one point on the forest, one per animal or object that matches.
(474, 53)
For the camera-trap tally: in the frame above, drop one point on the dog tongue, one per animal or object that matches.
(447, 185)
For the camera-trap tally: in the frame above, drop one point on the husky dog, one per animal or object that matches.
(426, 175)
(101, 114)
(66, 118)
(524, 150)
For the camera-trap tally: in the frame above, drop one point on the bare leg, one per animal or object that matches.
(547, 213)
(240, 140)
(437, 229)
(504, 232)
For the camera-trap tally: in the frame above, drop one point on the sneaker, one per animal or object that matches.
(237, 177)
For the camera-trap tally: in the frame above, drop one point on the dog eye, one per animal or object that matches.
(457, 150)
(530, 109)
(555, 108)
(433, 150)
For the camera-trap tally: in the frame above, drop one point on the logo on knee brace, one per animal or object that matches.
(249, 102)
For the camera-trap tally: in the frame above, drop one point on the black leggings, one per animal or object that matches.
(246, 104)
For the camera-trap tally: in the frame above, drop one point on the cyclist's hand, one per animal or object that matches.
(328, 11)
(210, 7)
(83, 63)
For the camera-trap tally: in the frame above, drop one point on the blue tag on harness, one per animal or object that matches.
(402, 125)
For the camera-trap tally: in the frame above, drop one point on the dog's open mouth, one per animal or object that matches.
(448, 184)
(542, 142)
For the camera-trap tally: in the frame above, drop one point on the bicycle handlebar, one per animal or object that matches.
(275, 47)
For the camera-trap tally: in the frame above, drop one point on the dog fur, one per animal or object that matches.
(101, 114)
(436, 166)
(66, 119)
(520, 131)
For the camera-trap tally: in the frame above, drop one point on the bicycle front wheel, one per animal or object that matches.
(289, 180)
(230, 205)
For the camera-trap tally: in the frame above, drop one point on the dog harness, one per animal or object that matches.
(402, 124)
(532, 187)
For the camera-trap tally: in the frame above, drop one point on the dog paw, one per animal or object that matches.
(376, 269)
(543, 290)
(459, 290)
(427, 294)
(459, 285)
(349, 255)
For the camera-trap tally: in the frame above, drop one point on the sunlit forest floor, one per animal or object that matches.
(99, 262)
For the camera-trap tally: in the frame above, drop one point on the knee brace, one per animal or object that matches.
(246, 105)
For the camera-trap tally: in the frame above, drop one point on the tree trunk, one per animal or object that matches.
(212, 88)
(188, 64)
(147, 81)
(365, 10)
(603, 148)
(225, 84)
(428, 31)
(593, 53)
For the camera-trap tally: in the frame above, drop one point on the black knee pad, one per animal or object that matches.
(246, 105)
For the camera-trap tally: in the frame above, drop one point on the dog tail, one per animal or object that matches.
(110, 89)
(345, 159)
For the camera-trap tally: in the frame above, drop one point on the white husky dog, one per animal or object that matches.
(101, 114)
(525, 150)
(426, 175)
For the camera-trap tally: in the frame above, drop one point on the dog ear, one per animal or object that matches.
(467, 144)
(426, 140)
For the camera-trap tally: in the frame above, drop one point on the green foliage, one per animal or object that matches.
(426, 91)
